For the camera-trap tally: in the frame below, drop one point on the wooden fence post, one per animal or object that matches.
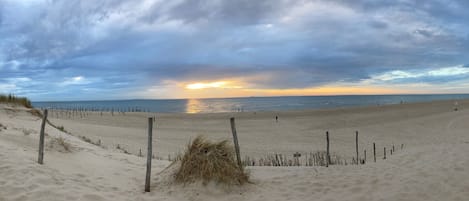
(356, 145)
(328, 156)
(364, 160)
(384, 153)
(40, 159)
(235, 140)
(149, 154)
(374, 151)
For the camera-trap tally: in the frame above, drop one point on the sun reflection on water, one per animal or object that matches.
(193, 106)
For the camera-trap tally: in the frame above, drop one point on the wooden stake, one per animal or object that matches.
(356, 146)
(149, 154)
(384, 153)
(374, 152)
(40, 159)
(364, 160)
(328, 156)
(235, 140)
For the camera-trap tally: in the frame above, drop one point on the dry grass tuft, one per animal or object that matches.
(210, 161)
(35, 112)
(61, 141)
(2, 127)
(60, 144)
(27, 131)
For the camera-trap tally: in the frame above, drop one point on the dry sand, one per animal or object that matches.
(432, 166)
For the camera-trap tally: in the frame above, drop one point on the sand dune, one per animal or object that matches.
(432, 166)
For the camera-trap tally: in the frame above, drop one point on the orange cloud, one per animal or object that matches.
(239, 88)
(326, 90)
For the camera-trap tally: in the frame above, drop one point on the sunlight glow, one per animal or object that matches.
(219, 84)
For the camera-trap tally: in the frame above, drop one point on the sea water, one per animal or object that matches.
(247, 104)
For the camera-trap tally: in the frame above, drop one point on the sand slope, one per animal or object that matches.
(432, 166)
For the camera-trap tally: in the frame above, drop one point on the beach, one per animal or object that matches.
(429, 162)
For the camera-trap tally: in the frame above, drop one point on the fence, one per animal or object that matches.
(317, 158)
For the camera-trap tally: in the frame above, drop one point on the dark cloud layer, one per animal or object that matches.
(118, 45)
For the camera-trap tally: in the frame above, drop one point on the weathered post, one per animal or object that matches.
(356, 145)
(149, 154)
(40, 159)
(297, 156)
(235, 140)
(384, 153)
(374, 151)
(328, 156)
(364, 160)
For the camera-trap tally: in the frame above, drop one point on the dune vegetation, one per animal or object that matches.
(10, 98)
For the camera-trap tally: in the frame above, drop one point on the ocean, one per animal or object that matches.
(248, 104)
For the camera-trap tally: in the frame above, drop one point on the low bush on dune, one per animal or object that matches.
(210, 161)
(15, 100)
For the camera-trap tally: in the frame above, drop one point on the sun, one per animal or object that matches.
(201, 85)
(208, 85)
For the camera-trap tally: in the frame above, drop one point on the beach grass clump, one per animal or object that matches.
(27, 131)
(88, 140)
(15, 100)
(61, 141)
(2, 127)
(62, 128)
(119, 147)
(60, 144)
(208, 161)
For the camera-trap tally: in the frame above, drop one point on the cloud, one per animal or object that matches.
(431, 76)
(78, 80)
(119, 46)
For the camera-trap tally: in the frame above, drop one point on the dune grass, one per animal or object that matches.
(15, 100)
(60, 144)
(210, 161)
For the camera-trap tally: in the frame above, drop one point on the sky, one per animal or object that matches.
(157, 49)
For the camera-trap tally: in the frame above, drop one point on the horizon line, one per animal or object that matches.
(138, 99)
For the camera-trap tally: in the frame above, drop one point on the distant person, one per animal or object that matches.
(276, 119)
